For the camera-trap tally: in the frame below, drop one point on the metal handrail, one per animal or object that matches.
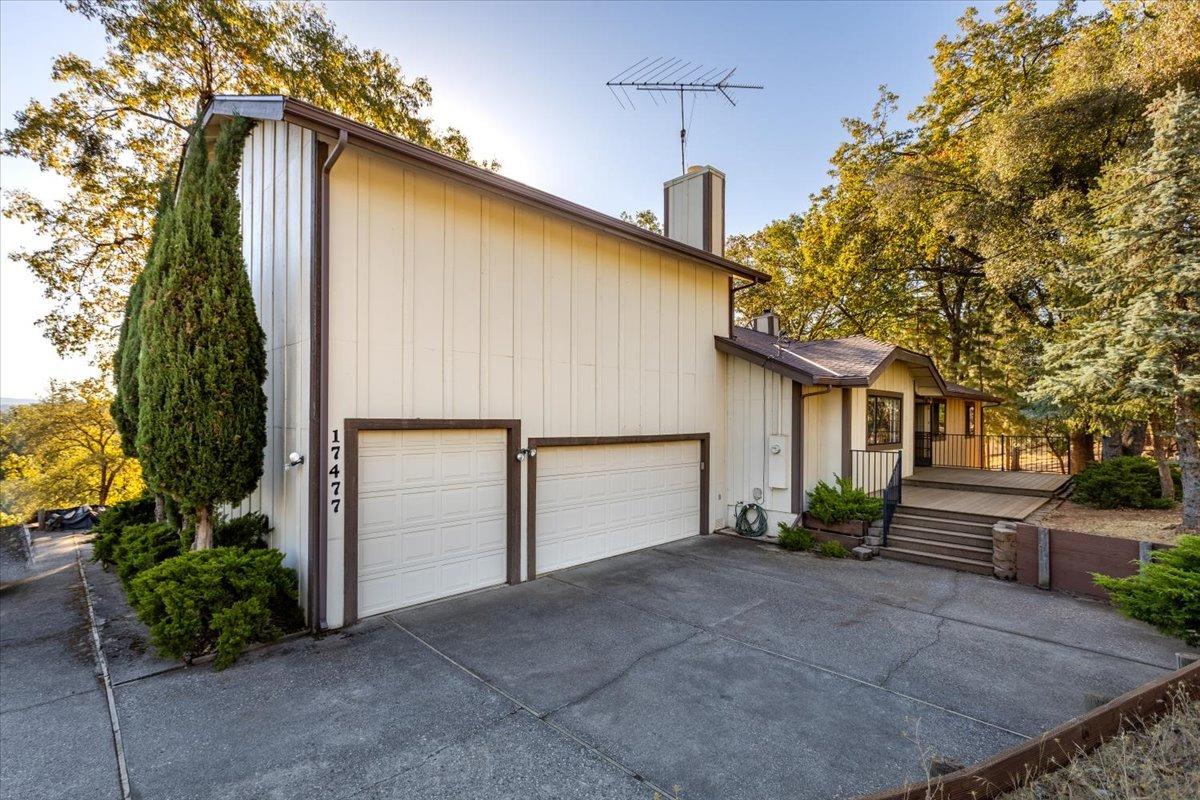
(879, 473)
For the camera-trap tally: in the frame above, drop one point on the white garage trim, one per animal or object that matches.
(582, 441)
(353, 427)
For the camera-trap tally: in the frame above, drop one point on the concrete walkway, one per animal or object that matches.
(55, 735)
(722, 667)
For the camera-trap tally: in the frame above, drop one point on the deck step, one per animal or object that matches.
(915, 520)
(976, 487)
(949, 562)
(920, 545)
(940, 534)
(987, 519)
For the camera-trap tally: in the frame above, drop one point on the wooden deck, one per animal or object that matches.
(1036, 484)
(978, 503)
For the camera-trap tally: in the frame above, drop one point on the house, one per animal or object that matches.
(838, 407)
(473, 382)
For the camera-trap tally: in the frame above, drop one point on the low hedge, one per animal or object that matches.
(1124, 482)
(1165, 592)
(140, 547)
(843, 502)
(112, 523)
(198, 602)
(216, 600)
(794, 537)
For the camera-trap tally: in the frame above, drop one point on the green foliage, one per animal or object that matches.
(140, 547)
(1125, 482)
(644, 219)
(794, 537)
(118, 124)
(219, 599)
(202, 410)
(832, 549)
(842, 503)
(113, 522)
(249, 531)
(129, 343)
(64, 451)
(1165, 593)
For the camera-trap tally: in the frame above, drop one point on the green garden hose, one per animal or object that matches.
(751, 527)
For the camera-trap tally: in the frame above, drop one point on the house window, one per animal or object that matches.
(939, 417)
(884, 419)
(970, 424)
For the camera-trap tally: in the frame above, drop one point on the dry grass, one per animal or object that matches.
(1148, 525)
(1161, 762)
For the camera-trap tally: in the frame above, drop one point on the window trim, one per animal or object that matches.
(899, 443)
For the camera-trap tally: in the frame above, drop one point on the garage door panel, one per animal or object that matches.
(433, 520)
(596, 501)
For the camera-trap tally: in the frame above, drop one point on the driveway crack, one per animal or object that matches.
(629, 668)
(937, 636)
(549, 723)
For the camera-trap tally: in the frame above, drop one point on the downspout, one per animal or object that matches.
(323, 396)
(733, 290)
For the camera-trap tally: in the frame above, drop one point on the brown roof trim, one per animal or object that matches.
(726, 345)
(278, 107)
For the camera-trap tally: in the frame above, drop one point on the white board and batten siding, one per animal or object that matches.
(759, 414)
(275, 189)
(897, 378)
(449, 302)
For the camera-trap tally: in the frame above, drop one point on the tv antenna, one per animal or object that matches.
(660, 76)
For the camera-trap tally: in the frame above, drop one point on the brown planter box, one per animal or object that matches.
(851, 533)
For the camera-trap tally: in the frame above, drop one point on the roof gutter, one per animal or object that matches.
(318, 545)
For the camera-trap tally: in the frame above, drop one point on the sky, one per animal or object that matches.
(525, 83)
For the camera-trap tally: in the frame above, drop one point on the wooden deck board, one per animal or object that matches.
(989, 504)
(1036, 481)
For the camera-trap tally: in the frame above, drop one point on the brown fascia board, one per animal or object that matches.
(277, 107)
(726, 345)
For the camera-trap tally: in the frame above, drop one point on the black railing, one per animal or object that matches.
(892, 496)
(995, 452)
(878, 473)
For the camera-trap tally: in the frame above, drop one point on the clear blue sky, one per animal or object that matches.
(525, 82)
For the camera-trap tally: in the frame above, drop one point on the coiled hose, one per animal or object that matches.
(748, 526)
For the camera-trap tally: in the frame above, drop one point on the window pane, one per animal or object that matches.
(883, 420)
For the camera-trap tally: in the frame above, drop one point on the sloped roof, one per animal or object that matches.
(849, 361)
(327, 123)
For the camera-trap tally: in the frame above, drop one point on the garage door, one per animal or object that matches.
(596, 501)
(431, 515)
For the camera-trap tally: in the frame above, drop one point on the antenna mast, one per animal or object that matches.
(662, 75)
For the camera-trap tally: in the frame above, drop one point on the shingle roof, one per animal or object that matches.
(967, 393)
(854, 357)
(849, 361)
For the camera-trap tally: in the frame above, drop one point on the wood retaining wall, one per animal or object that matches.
(1020, 764)
(1073, 557)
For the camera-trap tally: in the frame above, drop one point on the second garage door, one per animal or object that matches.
(431, 515)
(595, 501)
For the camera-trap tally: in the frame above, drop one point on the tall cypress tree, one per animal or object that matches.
(202, 410)
(125, 360)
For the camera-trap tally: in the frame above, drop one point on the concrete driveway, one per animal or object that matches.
(724, 668)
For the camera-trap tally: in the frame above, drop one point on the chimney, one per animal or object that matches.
(694, 209)
(766, 322)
